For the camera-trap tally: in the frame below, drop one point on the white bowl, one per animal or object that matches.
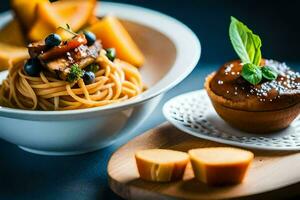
(172, 51)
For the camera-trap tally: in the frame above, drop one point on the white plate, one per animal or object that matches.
(194, 114)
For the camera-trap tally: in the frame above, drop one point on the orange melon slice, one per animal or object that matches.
(10, 55)
(25, 11)
(161, 165)
(64, 34)
(114, 35)
(46, 22)
(76, 13)
(92, 20)
(220, 165)
(50, 16)
(12, 34)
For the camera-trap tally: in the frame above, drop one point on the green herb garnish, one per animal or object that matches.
(68, 26)
(111, 54)
(252, 73)
(68, 29)
(92, 68)
(247, 45)
(75, 73)
(269, 73)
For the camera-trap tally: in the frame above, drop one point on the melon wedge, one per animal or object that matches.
(50, 16)
(161, 165)
(25, 11)
(220, 165)
(10, 55)
(92, 20)
(64, 34)
(76, 13)
(113, 34)
(46, 22)
(12, 34)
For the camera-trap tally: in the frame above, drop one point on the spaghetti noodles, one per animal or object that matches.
(115, 82)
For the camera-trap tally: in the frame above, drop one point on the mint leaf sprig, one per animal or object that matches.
(252, 73)
(269, 73)
(247, 46)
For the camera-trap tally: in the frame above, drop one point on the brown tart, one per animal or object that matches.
(267, 107)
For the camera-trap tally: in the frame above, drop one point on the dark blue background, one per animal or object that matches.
(28, 176)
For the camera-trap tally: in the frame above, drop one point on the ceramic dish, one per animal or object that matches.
(194, 114)
(164, 42)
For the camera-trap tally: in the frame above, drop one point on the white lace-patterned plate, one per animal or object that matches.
(194, 114)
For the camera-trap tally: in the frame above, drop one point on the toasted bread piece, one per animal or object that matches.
(220, 165)
(161, 165)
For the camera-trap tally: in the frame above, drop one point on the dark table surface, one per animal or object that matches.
(28, 176)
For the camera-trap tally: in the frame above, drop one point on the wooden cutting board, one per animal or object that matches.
(268, 177)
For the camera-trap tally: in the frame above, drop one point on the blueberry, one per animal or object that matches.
(90, 37)
(88, 77)
(111, 54)
(32, 67)
(53, 40)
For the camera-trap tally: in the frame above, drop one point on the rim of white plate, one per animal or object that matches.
(183, 38)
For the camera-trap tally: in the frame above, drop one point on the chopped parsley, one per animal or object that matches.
(75, 73)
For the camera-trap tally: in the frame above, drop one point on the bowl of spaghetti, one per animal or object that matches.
(74, 93)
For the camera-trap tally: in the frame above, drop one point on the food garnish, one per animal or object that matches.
(53, 40)
(88, 77)
(75, 73)
(92, 67)
(111, 54)
(69, 30)
(247, 45)
(32, 67)
(90, 37)
(252, 73)
(269, 73)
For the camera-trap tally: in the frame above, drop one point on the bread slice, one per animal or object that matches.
(220, 165)
(161, 165)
